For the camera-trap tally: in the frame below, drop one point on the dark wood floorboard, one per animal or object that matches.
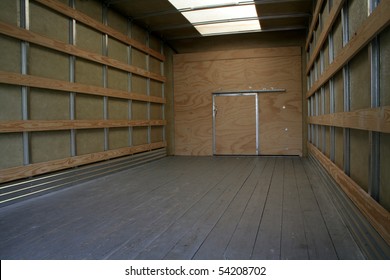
(184, 208)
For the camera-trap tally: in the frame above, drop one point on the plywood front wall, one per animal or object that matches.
(198, 75)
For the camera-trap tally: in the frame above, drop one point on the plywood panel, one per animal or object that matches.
(46, 146)
(359, 157)
(11, 102)
(54, 26)
(89, 141)
(360, 81)
(384, 195)
(48, 105)
(11, 150)
(235, 125)
(10, 54)
(195, 81)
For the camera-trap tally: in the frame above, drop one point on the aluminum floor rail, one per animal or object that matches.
(369, 240)
(15, 191)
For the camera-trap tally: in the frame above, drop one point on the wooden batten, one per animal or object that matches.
(44, 125)
(72, 13)
(373, 211)
(372, 119)
(45, 83)
(314, 22)
(372, 26)
(20, 172)
(32, 37)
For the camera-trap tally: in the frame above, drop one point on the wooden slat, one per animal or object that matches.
(39, 82)
(372, 119)
(372, 210)
(50, 125)
(35, 38)
(314, 22)
(336, 8)
(20, 172)
(370, 28)
(77, 15)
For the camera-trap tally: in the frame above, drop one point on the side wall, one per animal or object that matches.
(78, 84)
(348, 101)
(198, 75)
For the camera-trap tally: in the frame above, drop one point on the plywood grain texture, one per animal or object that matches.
(198, 75)
(235, 125)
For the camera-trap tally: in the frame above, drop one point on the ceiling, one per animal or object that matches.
(162, 19)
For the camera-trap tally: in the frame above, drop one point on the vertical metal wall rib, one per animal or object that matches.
(162, 72)
(25, 23)
(129, 82)
(374, 137)
(105, 76)
(148, 87)
(72, 95)
(346, 78)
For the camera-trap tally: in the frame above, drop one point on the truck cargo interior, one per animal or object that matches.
(186, 129)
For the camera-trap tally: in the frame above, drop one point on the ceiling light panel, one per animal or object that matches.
(228, 27)
(218, 14)
(191, 4)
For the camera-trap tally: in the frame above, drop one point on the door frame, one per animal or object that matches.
(215, 94)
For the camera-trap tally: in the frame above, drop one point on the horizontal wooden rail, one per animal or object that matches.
(19, 172)
(80, 17)
(31, 37)
(372, 210)
(314, 22)
(373, 119)
(51, 125)
(45, 83)
(371, 27)
(334, 13)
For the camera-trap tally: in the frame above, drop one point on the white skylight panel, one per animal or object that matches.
(217, 14)
(228, 27)
(185, 4)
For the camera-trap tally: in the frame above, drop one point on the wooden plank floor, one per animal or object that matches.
(184, 208)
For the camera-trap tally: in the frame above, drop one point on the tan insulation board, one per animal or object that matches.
(11, 102)
(117, 50)
(155, 88)
(89, 107)
(327, 141)
(50, 145)
(327, 99)
(90, 8)
(48, 105)
(155, 43)
(156, 134)
(385, 67)
(10, 54)
(9, 11)
(326, 54)
(89, 141)
(339, 147)
(118, 138)
(154, 65)
(337, 36)
(139, 84)
(156, 112)
(117, 21)
(357, 14)
(139, 34)
(139, 110)
(88, 39)
(360, 81)
(11, 150)
(88, 73)
(48, 63)
(384, 195)
(140, 135)
(359, 157)
(117, 79)
(118, 109)
(54, 26)
(169, 105)
(138, 59)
